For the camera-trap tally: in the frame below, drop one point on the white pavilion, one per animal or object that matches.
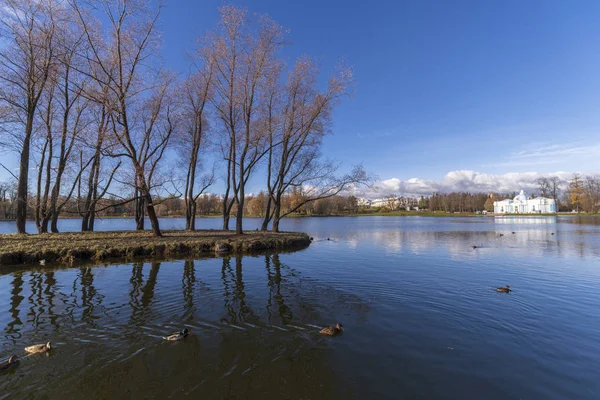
(522, 204)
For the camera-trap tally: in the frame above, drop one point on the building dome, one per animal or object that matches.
(521, 197)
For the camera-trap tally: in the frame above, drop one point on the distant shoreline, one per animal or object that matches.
(376, 214)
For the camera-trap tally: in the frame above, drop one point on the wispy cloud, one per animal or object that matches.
(374, 135)
(548, 154)
(559, 150)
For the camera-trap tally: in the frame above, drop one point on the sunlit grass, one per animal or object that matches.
(75, 246)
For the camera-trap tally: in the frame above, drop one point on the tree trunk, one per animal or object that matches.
(38, 202)
(85, 221)
(139, 211)
(267, 218)
(276, 217)
(92, 217)
(54, 222)
(44, 225)
(193, 216)
(239, 217)
(190, 214)
(152, 215)
(225, 220)
(22, 185)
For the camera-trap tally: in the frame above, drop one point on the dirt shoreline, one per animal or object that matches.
(70, 247)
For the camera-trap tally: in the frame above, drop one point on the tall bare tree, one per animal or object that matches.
(244, 55)
(554, 183)
(591, 193)
(72, 119)
(192, 139)
(543, 186)
(28, 55)
(297, 120)
(129, 68)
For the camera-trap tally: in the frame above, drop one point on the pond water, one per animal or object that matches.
(421, 316)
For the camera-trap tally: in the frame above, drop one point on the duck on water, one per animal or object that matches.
(39, 348)
(332, 330)
(505, 289)
(177, 336)
(12, 362)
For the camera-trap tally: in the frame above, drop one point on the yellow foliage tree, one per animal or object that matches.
(575, 191)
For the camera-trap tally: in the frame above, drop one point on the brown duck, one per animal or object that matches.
(505, 289)
(332, 330)
(39, 348)
(12, 362)
(177, 336)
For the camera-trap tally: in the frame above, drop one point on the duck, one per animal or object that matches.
(177, 336)
(552, 233)
(505, 289)
(332, 330)
(513, 233)
(12, 362)
(42, 262)
(502, 234)
(39, 348)
(474, 247)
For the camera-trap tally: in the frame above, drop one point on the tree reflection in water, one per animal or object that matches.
(234, 293)
(12, 329)
(274, 282)
(267, 331)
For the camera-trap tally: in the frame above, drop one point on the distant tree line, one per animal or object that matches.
(581, 193)
(97, 121)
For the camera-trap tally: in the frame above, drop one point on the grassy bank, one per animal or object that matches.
(77, 246)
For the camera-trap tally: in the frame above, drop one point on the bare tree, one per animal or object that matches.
(73, 120)
(146, 146)
(295, 132)
(127, 66)
(244, 56)
(28, 55)
(8, 195)
(543, 186)
(196, 93)
(554, 188)
(100, 144)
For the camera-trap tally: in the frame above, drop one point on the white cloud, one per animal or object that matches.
(461, 180)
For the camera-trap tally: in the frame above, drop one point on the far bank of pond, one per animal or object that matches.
(76, 246)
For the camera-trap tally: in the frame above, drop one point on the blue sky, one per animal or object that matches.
(495, 87)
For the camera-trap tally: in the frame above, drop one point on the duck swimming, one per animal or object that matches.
(12, 362)
(474, 247)
(505, 289)
(39, 348)
(332, 330)
(177, 336)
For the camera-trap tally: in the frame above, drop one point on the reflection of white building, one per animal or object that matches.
(521, 204)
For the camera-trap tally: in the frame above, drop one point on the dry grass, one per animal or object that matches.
(77, 246)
